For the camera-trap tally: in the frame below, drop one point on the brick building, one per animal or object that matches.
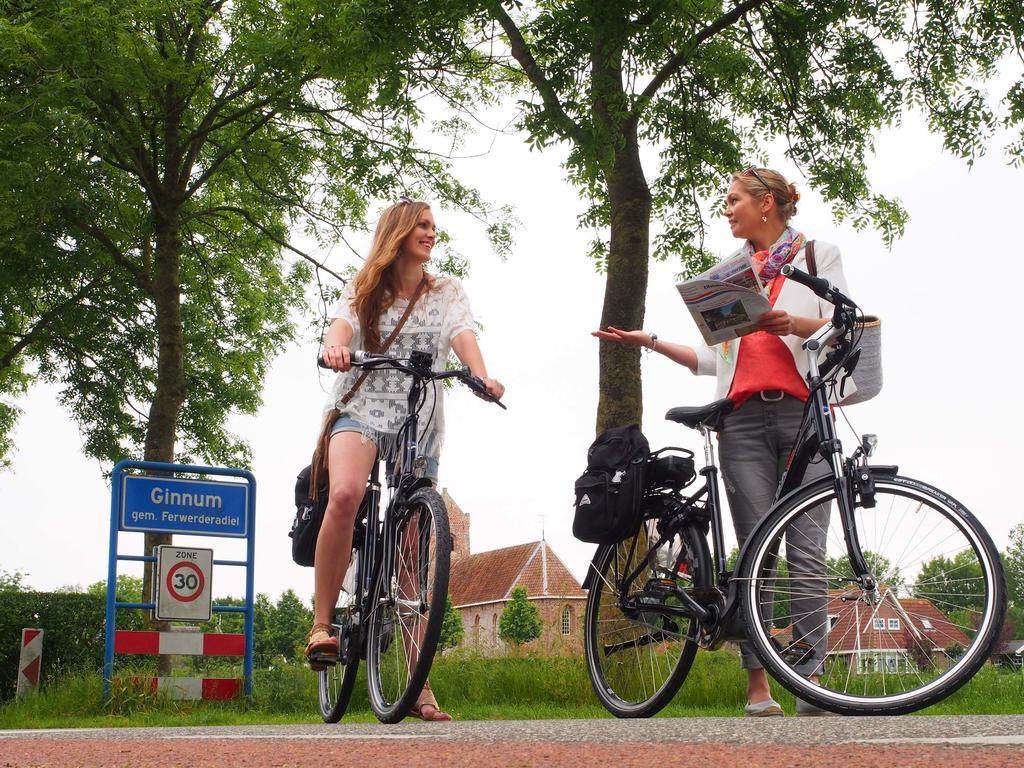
(481, 586)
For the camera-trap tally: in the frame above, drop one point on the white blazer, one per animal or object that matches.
(797, 300)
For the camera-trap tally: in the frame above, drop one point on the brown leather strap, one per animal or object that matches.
(812, 265)
(347, 397)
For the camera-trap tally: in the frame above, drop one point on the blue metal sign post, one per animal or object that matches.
(166, 504)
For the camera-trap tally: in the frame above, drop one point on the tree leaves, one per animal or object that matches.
(155, 161)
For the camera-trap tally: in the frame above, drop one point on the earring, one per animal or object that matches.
(764, 219)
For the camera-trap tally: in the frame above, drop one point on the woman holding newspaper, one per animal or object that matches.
(763, 373)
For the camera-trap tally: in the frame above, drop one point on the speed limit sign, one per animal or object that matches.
(183, 584)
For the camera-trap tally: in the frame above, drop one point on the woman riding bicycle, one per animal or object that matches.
(363, 420)
(763, 373)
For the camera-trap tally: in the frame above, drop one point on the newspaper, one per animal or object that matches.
(727, 300)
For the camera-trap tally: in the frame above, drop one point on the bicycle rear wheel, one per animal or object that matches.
(334, 689)
(408, 607)
(921, 634)
(636, 656)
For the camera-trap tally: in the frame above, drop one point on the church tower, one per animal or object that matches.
(458, 524)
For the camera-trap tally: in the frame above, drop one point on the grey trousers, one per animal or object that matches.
(755, 443)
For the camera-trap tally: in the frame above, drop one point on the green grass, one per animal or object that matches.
(470, 687)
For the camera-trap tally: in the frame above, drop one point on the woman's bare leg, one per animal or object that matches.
(349, 460)
(758, 689)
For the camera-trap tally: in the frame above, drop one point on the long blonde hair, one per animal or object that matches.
(376, 283)
(375, 287)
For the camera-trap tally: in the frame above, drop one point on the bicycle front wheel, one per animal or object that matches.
(638, 649)
(408, 607)
(925, 628)
(336, 681)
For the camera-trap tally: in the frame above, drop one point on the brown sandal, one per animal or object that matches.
(322, 647)
(426, 707)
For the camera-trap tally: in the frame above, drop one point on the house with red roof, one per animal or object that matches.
(481, 586)
(893, 636)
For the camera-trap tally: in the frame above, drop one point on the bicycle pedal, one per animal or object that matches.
(323, 660)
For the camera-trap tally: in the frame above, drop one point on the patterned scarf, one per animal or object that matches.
(768, 263)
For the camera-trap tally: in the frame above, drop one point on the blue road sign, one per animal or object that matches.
(164, 503)
(173, 505)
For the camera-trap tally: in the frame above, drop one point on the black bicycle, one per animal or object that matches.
(390, 611)
(901, 604)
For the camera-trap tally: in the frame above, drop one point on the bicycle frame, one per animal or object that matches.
(376, 555)
(816, 436)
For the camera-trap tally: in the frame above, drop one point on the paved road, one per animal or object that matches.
(925, 742)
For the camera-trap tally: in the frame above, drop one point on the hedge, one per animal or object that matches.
(72, 627)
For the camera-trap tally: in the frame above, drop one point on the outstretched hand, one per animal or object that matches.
(632, 338)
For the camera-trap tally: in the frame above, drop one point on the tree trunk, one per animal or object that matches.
(169, 396)
(621, 394)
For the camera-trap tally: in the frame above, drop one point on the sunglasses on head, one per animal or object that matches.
(752, 171)
(403, 200)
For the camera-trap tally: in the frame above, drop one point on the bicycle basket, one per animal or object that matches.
(867, 376)
(671, 470)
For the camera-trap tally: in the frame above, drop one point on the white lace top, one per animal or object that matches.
(381, 403)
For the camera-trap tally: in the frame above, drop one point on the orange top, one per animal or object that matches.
(764, 362)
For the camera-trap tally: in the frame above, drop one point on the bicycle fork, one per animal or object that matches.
(832, 450)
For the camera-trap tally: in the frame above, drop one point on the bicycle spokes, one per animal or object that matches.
(639, 642)
(409, 604)
(928, 602)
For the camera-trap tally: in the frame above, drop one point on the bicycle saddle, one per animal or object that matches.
(694, 416)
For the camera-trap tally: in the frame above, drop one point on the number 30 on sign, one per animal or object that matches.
(183, 584)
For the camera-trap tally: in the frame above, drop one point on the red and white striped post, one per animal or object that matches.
(30, 661)
(184, 644)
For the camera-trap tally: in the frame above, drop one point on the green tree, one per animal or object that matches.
(951, 585)
(520, 622)
(229, 622)
(452, 630)
(128, 588)
(1013, 565)
(287, 626)
(13, 581)
(154, 157)
(704, 86)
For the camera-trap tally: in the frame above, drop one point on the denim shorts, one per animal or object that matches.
(347, 424)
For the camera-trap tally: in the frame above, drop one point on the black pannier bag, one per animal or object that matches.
(309, 515)
(608, 493)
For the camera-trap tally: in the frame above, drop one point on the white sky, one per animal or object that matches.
(950, 412)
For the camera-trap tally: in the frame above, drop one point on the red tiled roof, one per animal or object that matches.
(490, 576)
(856, 619)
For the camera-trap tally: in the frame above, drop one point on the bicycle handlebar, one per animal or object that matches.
(364, 360)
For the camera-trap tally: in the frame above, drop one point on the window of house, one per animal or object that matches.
(927, 624)
(879, 624)
(566, 620)
(894, 623)
(832, 619)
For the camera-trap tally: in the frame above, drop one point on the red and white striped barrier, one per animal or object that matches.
(30, 661)
(179, 643)
(189, 688)
(184, 644)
